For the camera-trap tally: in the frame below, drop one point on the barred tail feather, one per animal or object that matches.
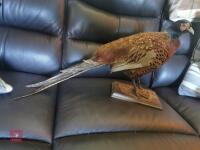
(63, 76)
(46, 81)
(69, 72)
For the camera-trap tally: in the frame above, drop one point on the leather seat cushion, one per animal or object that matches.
(188, 108)
(24, 145)
(32, 115)
(85, 106)
(129, 141)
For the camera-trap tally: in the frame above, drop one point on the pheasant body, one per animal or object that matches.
(135, 55)
(138, 54)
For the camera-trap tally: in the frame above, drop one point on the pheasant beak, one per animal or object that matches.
(191, 30)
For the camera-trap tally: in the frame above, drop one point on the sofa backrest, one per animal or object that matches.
(30, 35)
(92, 23)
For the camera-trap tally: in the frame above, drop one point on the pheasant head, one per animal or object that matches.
(175, 31)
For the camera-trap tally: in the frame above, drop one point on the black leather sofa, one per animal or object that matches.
(38, 38)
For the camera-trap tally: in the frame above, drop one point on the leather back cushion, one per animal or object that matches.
(91, 23)
(173, 70)
(140, 8)
(30, 35)
(41, 15)
(29, 51)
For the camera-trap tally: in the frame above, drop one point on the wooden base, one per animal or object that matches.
(125, 91)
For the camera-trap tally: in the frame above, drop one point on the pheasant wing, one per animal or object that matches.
(137, 59)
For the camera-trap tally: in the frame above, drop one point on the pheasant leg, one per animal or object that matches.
(139, 91)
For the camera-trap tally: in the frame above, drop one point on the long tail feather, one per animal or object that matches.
(63, 76)
(45, 82)
(72, 71)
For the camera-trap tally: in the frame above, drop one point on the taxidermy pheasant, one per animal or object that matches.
(135, 55)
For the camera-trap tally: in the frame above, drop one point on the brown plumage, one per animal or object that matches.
(138, 54)
(135, 55)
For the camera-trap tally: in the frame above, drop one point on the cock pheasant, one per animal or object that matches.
(135, 55)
